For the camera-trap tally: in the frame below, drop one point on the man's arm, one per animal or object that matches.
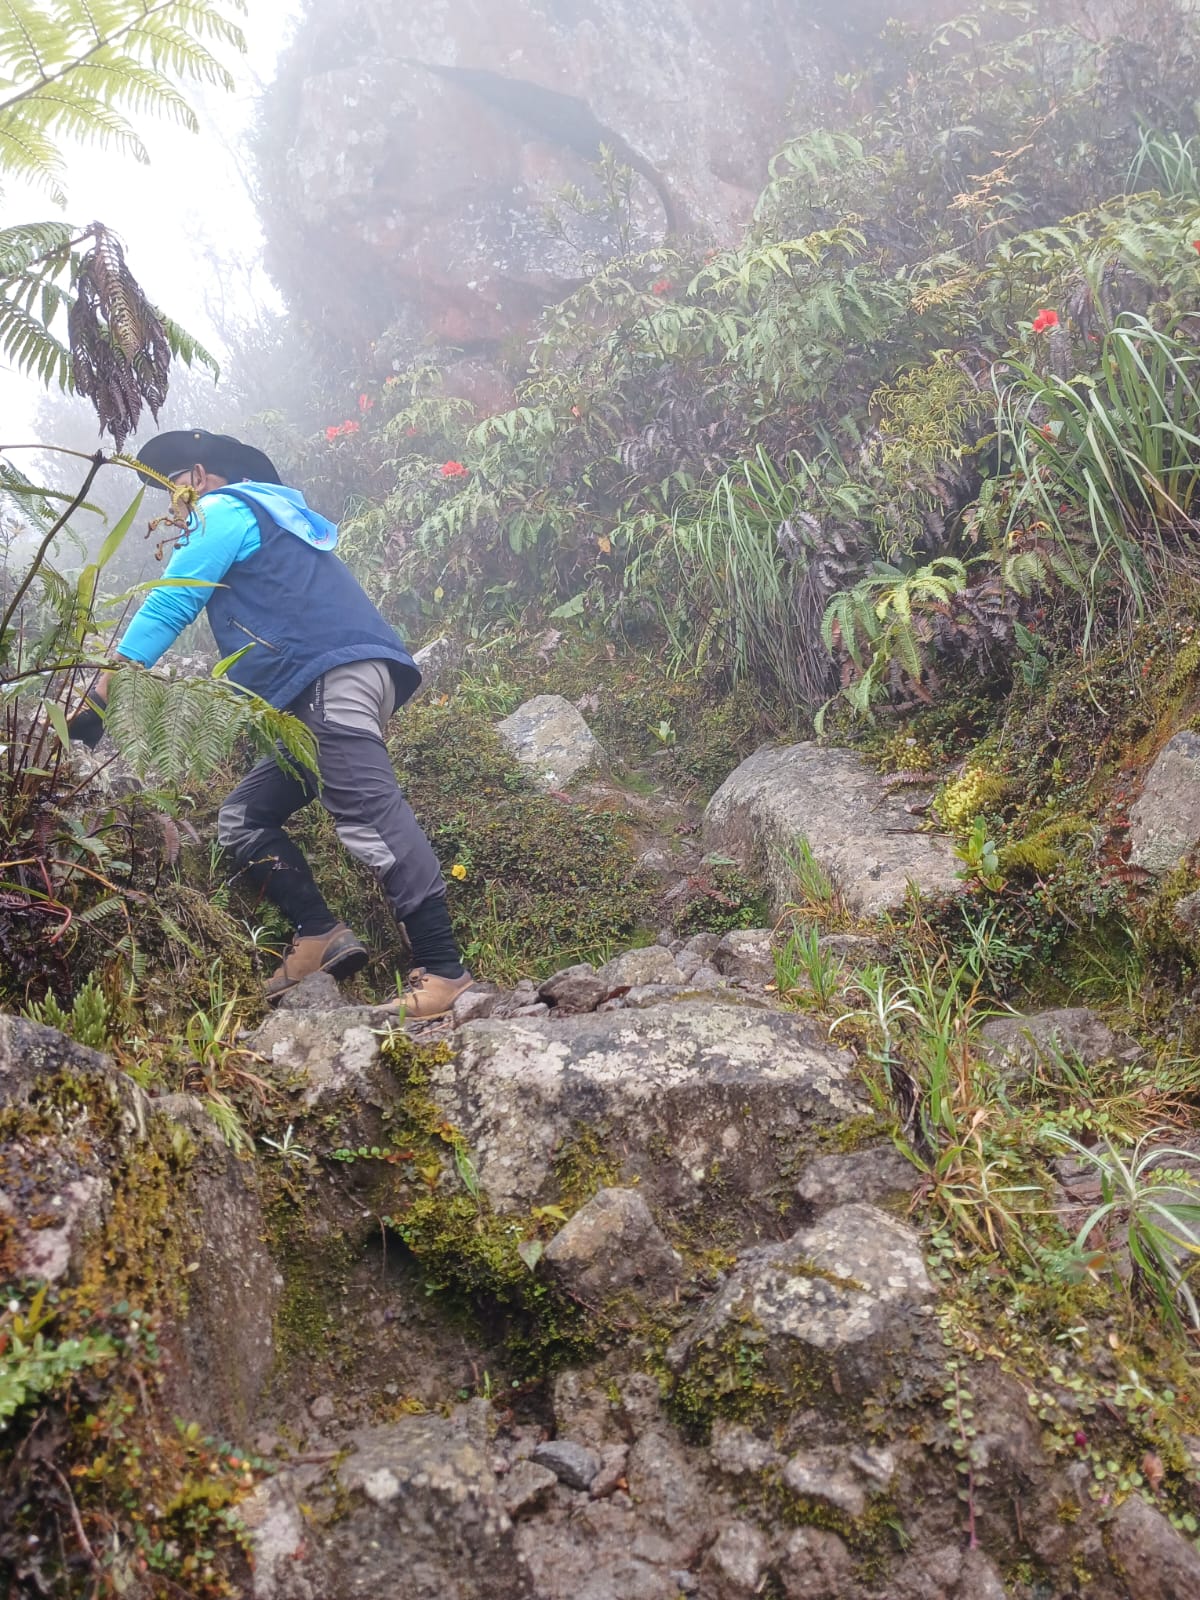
(227, 534)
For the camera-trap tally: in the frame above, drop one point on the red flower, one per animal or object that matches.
(661, 286)
(453, 469)
(340, 428)
(332, 433)
(365, 402)
(410, 433)
(349, 427)
(1045, 320)
(1196, 244)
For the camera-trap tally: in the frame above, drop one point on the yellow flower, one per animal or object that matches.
(458, 871)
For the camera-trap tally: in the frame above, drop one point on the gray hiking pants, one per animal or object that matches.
(347, 711)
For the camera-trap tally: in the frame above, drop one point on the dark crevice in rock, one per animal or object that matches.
(559, 119)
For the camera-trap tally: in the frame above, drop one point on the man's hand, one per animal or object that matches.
(87, 725)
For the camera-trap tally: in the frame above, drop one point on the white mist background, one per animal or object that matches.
(187, 220)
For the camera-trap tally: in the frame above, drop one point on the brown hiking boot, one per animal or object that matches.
(337, 952)
(425, 995)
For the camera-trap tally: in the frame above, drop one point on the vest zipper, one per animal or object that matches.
(242, 628)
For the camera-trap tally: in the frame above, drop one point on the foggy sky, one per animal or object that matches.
(187, 220)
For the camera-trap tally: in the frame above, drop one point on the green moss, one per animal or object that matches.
(311, 1307)
(583, 1165)
(853, 1134)
(723, 1379)
(139, 1479)
(484, 1263)
(547, 883)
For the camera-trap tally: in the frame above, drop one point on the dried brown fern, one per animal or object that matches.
(120, 352)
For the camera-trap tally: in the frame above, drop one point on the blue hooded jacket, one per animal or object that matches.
(265, 570)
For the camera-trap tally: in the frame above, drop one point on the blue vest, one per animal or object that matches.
(303, 613)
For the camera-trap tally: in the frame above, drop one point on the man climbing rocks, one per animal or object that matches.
(320, 650)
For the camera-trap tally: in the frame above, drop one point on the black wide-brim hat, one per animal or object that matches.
(169, 454)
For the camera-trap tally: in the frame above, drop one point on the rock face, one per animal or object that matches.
(690, 1096)
(411, 154)
(877, 1173)
(549, 736)
(761, 1421)
(1159, 1563)
(1019, 1045)
(612, 1252)
(845, 1289)
(862, 837)
(56, 1187)
(79, 1137)
(437, 660)
(233, 1290)
(1164, 825)
(424, 1518)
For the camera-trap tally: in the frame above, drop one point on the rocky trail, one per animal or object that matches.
(607, 1287)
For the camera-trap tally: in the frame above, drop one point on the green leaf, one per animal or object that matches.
(223, 666)
(530, 1251)
(58, 722)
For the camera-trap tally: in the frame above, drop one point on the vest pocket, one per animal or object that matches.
(255, 638)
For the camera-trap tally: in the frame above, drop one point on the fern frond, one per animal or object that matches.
(72, 68)
(29, 345)
(29, 242)
(183, 729)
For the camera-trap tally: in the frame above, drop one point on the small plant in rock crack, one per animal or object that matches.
(959, 1404)
(804, 969)
(364, 1152)
(814, 886)
(288, 1151)
(981, 861)
(1153, 1189)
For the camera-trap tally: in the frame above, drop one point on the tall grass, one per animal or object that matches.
(1109, 463)
(741, 589)
(1168, 163)
(756, 568)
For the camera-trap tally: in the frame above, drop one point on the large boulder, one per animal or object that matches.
(226, 1338)
(412, 155)
(839, 1299)
(437, 660)
(877, 1173)
(81, 1144)
(331, 1065)
(73, 1119)
(1164, 825)
(691, 1101)
(421, 1516)
(549, 737)
(862, 836)
(1021, 1045)
(1157, 1562)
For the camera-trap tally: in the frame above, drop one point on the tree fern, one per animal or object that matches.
(72, 68)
